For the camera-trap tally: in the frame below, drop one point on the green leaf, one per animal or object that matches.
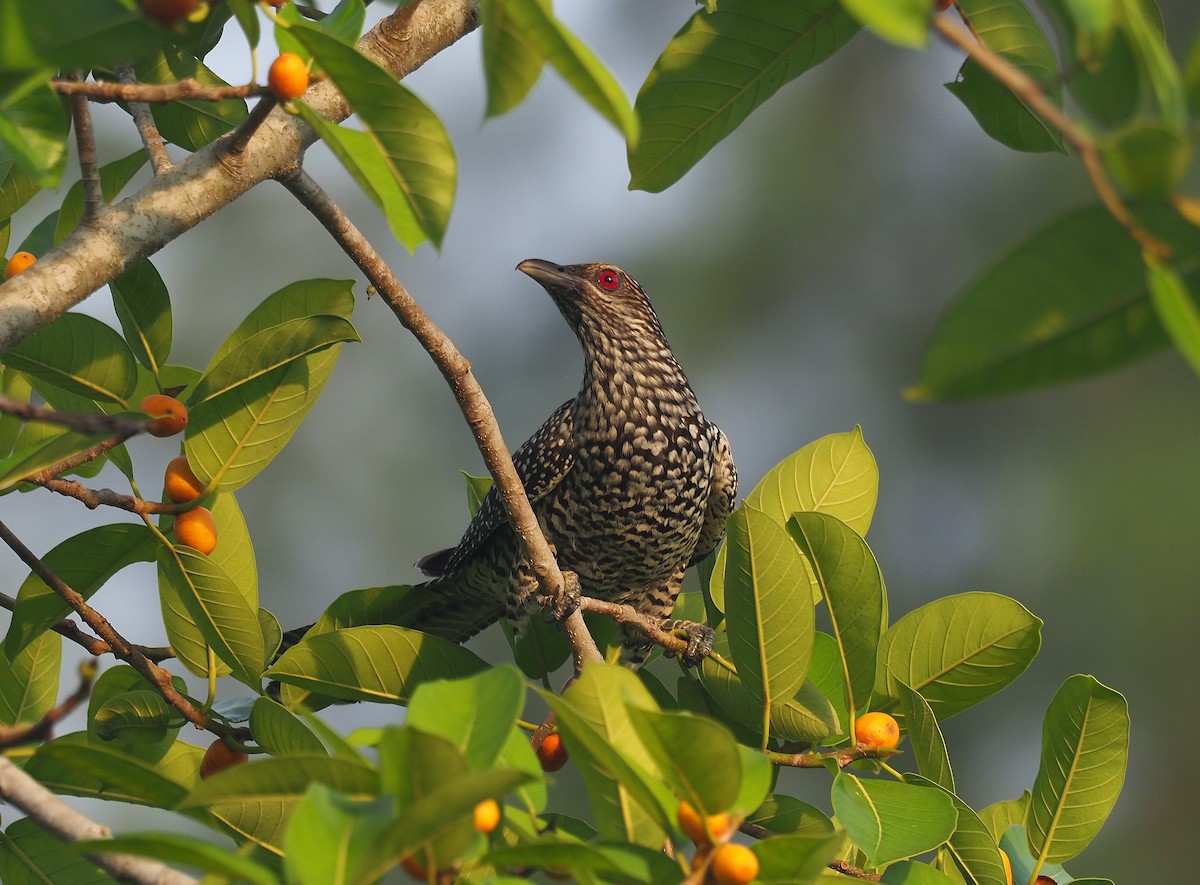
(999, 816)
(517, 755)
(81, 355)
(140, 717)
(511, 65)
(193, 585)
(852, 586)
(768, 609)
(1085, 749)
(1011, 331)
(74, 34)
(329, 835)
(795, 858)
(698, 757)
(74, 766)
(958, 650)
(1141, 24)
(189, 123)
(405, 132)
(397, 605)
(16, 187)
(187, 850)
(889, 820)
(29, 684)
(84, 562)
(33, 126)
(231, 438)
(586, 74)
(904, 22)
(972, 847)
(929, 747)
(1191, 77)
(721, 66)
(116, 682)
(1176, 309)
(477, 488)
(143, 308)
(909, 872)
(281, 733)
(787, 815)
(113, 178)
(382, 663)
(1008, 28)
(38, 448)
(475, 714)
(1146, 158)
(247, 19)
(29, 855)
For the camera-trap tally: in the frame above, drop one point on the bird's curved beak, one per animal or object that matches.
(545, 272)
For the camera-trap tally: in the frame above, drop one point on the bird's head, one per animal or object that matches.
(601, 302)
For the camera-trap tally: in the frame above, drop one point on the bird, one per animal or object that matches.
(630, 483)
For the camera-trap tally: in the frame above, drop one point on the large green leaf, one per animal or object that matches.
(796, 859)
(889, 820)
(1069, 302)
(113, 178)
(768, 608)
(144, 309)
(280, 732)
(958, 650)
(187, 850)
(396, 604)
(139, 717)
(1085, 749)
(925, 735)
(379, 663)
(329, 835)
(84, 562)
(698, 757)
(722, 65)
(41, 446)
(81, 355)
(403, 130)
(29, 684)
(195, 588)
(787, 815)
(475, 714)
(74, 34)
(232, 437)
(16, 186)
(972, 847)
(905, 22)
(189, 123)
(74, 766)
(511, 65)
(852, 586)
(123, 680)
(1176, 309)
(30, 855)
(33, 126)
(911, 872)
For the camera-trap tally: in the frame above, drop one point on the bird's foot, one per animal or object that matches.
(566, 602)
(699, 640)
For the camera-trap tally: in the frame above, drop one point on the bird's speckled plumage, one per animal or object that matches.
(629, 481)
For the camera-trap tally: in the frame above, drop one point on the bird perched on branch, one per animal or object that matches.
(629, 481)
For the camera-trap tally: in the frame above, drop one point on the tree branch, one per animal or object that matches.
(813, 759)
(96, 647)
(74, 420)
(209, 179)
(104, 91)
(85, 142)
(470, 397)
(143, 119)
(32, 732)
(65, 822)
(93, 498)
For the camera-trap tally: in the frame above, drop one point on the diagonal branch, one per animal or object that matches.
(210, 179)
(143, 119)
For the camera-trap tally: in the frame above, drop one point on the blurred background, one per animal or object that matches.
(799, 271)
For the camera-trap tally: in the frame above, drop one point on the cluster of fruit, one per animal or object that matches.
(194, 527)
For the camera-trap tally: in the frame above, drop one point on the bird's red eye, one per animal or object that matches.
(608, 279)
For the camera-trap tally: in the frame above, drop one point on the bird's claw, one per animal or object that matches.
(566, 602)
(699, 639)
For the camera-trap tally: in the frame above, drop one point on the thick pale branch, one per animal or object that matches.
(208, 180)
(62, 820)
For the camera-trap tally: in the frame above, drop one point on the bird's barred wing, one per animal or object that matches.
(722, 492)
(542, 461)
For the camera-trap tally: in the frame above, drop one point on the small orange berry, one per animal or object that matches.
(196, 528)
(169, 414)
(168, 12)
(218, 757)
(1007, 867)
(734, 864)
(487, 815)
(288, 76)
(19, 262)
(693, 825)
(180, 483)
(552, 754)
(876, 730)
(1044, 880)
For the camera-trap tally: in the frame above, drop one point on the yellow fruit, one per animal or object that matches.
(734, 865)
(692, 824)
(487, 815)
(552, 754)
(180, 483)
(196, 528)
(19, 262)
(1007, 867)
(169, 414)
(219, 756)
(288, 76)
(876, 730)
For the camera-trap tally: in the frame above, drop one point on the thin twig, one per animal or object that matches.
(143, 119)
(93, 498)
(121, 648)
(95, 646)
(105, 91)
(56, 816)
(628, 615)
(74, 461)
(813, 759)
(1031, 93)
(85, 142)
(74, 420)
(470, 397)
(33, 732)
(239, 139)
